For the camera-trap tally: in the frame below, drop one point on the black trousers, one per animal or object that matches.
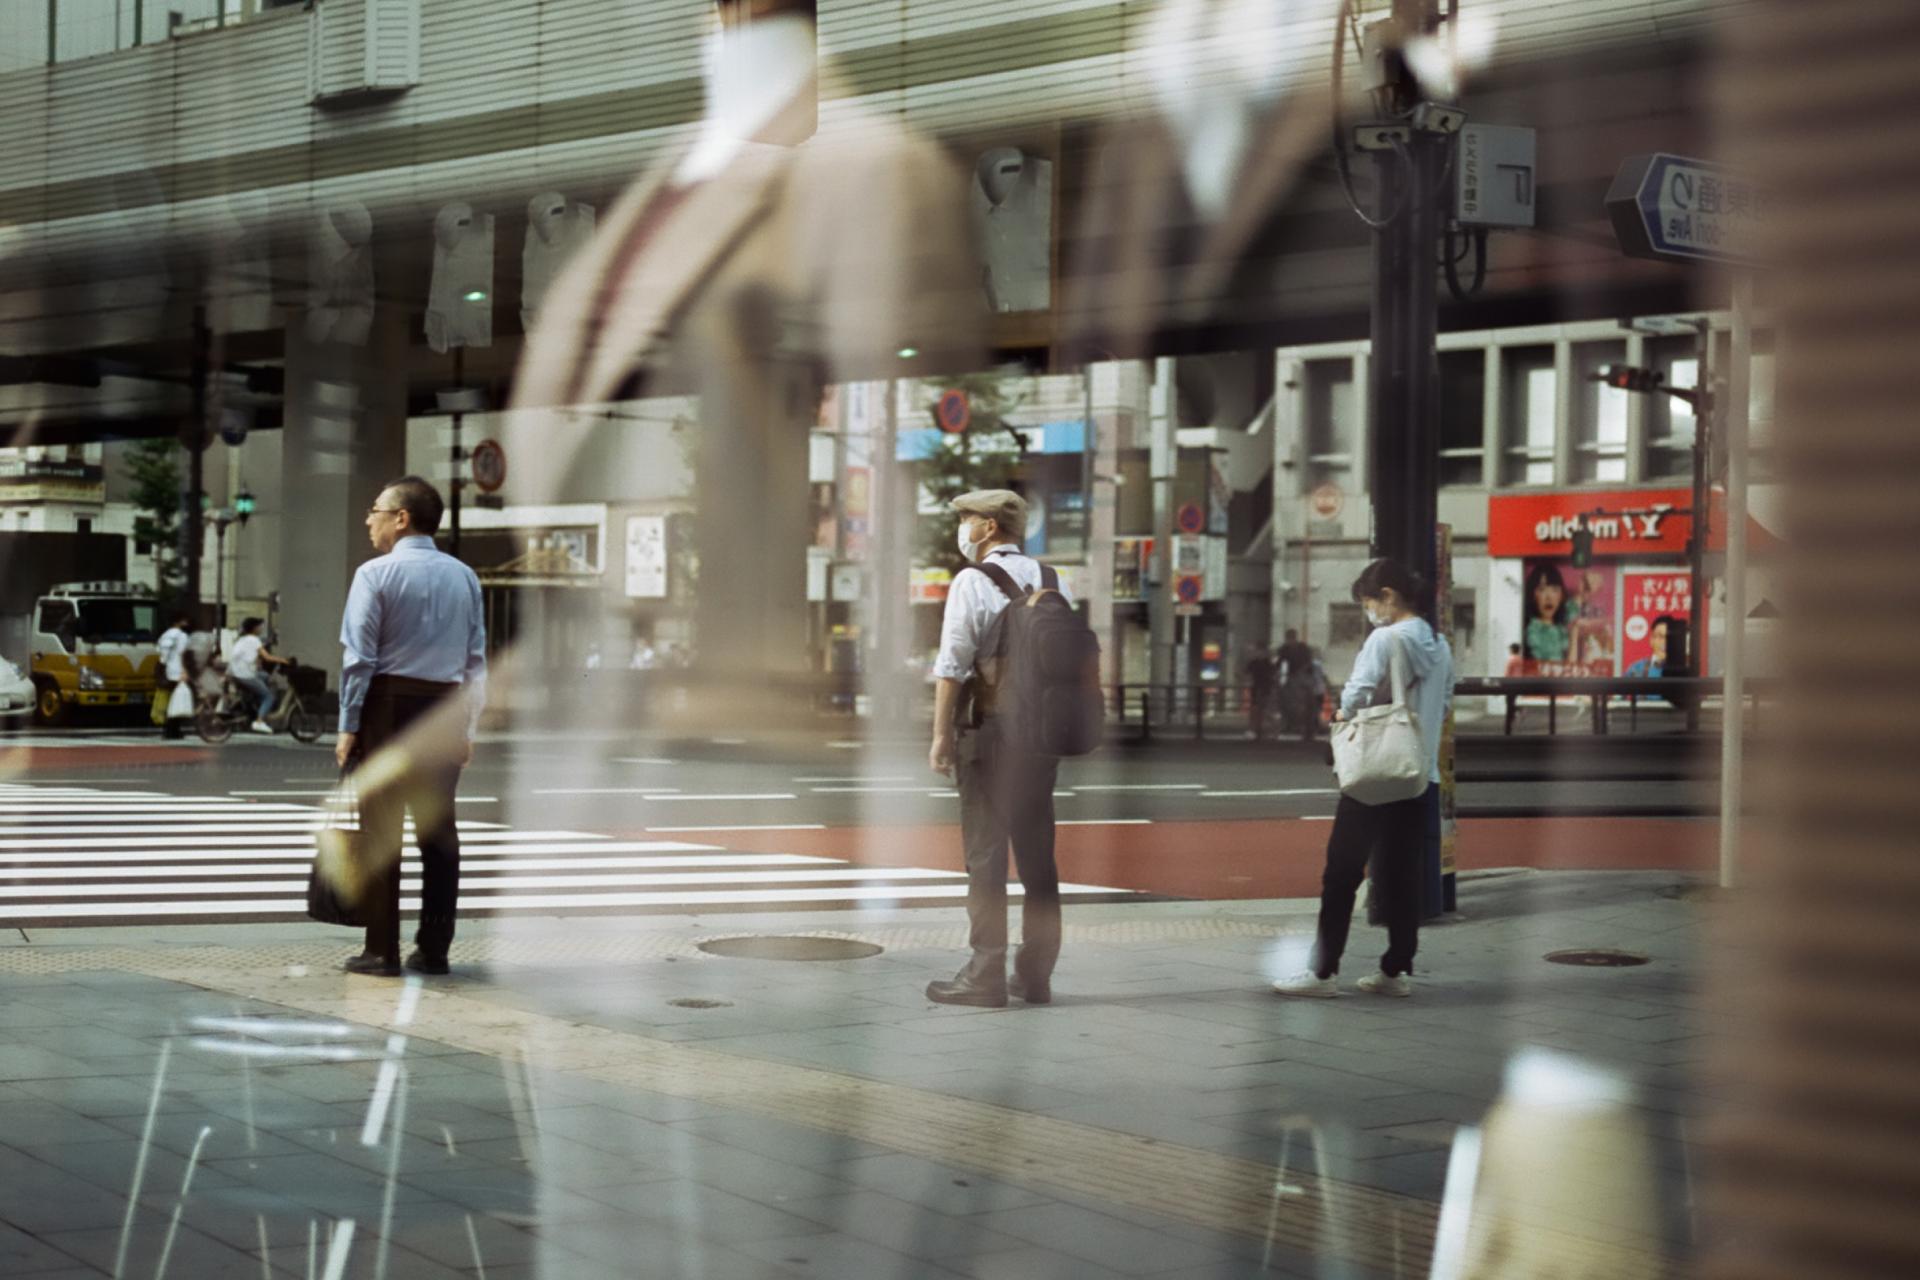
(1259, 705)
(1397, 832)
(424, 786)
(1006, 798)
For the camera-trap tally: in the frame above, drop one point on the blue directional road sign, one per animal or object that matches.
(1676, 209)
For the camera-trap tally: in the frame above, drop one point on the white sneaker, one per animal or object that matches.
(1309, 984)
(1386, 984)
(261, 726)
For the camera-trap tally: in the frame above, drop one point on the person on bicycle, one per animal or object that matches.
(243, 667)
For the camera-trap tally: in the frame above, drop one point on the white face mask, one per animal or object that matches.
(968, 548)
(1378, 617)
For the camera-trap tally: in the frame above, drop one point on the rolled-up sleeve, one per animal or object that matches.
(960, 628)
(360, 649)
(475, 678)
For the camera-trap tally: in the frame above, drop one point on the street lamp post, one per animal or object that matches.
(220, 518)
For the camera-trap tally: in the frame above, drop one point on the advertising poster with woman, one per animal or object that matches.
(1570, 627)
(1658, 606)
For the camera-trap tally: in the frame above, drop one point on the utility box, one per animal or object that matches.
(362, 49)
(1493, 176)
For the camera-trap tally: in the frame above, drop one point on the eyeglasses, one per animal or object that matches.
(385, 511)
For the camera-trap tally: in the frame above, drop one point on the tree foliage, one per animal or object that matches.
(154, 466)
(985, 456)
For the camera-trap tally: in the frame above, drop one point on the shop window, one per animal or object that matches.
(1527, 415)
(1332, 426)
(1670, 422)
(1463, 382)
(1599, 414)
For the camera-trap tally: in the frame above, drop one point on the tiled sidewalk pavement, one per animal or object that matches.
(560, 1117)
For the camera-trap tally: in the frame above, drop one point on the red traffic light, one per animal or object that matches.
(1629, 377)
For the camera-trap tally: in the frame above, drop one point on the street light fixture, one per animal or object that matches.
(220, 518)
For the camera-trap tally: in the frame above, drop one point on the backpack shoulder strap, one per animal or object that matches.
(1049, 580)
(1001, 579)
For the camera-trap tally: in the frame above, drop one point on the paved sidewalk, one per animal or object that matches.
(597, 1097)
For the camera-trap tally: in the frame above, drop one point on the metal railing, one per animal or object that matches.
(1194, 709)
(1602, 694)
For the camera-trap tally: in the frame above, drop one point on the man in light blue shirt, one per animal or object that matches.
(412, 686)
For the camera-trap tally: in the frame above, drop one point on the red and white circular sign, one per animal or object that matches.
(955, 411)
(489, 463)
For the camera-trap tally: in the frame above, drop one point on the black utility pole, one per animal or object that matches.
(457, 481)
(1410, 140)
(1403, 372)
(1701, 526)
(193, 434)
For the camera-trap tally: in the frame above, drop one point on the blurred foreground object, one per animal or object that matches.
(749, 269)
(1559, 1182)
(1814, 1174)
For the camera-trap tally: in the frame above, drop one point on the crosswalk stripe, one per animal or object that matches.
(314, 823)
(472, 884)
(72, 855)
(243, 837)
(468, 850)
(141, 872)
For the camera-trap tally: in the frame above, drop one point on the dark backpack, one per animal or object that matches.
(1039, 669)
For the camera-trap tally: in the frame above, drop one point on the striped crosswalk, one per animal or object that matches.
(73, 855)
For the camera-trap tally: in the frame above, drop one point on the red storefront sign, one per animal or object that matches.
(1638, 522)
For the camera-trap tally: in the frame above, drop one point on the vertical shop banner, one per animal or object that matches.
(856, 512)
(1568, 624)
(646, 576)
(1653, 603)
(1219, 497)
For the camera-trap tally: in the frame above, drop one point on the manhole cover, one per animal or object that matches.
(695, 1002)
(790, 948)
(1597, 958)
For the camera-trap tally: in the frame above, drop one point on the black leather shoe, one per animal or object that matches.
(420, 962)
(966, 993)
(369, 963)
(1031, 992)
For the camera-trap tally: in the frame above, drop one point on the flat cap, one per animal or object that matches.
(1003, 506)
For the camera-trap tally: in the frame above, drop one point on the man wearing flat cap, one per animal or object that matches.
(1006, 797)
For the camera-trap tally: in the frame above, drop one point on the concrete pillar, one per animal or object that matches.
(874, 407)
(1116, 407)
(752, 532)
(344, 438)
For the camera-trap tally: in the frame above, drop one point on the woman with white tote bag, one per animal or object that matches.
(1387, 752)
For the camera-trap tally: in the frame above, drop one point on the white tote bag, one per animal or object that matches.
(1377, 755)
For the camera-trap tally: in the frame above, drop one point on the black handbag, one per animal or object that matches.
(336, 885)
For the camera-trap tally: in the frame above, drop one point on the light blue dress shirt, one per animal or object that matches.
(414, 612)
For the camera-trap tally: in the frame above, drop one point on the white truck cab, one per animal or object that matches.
(93, 644)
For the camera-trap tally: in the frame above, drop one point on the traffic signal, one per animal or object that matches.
(1582, 546)
(243, 504)
(1629, 377)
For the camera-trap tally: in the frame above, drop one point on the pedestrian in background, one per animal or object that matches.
(243, 668)
(412, 685)
(1294, 663)
(1392, 835)
(1006, 796)
(172, 648)
(1261, 685)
